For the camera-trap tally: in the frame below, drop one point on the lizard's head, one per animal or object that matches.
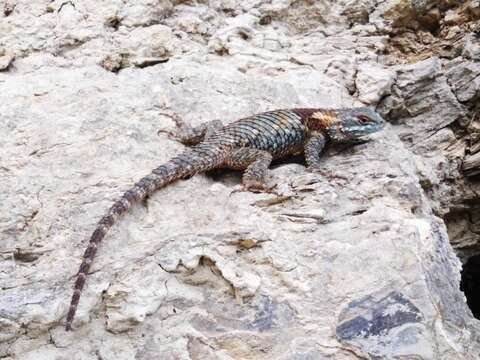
(355, 125)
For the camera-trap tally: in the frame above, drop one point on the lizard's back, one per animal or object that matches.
(278, 132)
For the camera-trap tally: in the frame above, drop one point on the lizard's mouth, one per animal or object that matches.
(362, 139)
(366, 138)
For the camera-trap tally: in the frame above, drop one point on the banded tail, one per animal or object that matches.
(182, 166)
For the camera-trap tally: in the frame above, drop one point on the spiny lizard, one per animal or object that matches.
(248, 144)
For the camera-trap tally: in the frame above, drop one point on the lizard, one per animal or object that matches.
(248, 144)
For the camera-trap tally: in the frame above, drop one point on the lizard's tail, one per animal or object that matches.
(177, 168)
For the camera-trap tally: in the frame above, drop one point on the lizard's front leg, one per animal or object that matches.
(188, 135)
(313, 150)
(256, 163)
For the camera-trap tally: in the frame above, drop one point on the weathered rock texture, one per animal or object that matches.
(357, 266)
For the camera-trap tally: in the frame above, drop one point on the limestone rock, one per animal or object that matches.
(146, 46)
(373, 82)
(471, 49)
(421, 99)
(352, 263)
(5, 59)
(144, 13)
(395, 318)
(464, 78)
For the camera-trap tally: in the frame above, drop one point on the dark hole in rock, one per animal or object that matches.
(267, 19)
(8, 8)
(463, 225)
(244, 35)
(26, 256)
(150, 62)
(229, 12)
(470, 284)
(114, 22)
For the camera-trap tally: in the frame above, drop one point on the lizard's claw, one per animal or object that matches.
(176, 118)
(330, 175)
(315, 169)
(171, 134)
(168, 132)
(178, 123)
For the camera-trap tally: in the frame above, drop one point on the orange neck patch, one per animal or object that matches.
(323, 119)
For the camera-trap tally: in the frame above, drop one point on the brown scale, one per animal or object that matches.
(321, 120)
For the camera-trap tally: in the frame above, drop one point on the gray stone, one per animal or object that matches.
(471, 49)
(144, 12)
(464, 79)
(389, 327)
(5, 59)
(421, 100)
(348, 264)
(373, 82)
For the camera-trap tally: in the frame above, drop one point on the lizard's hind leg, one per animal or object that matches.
(255, 163)
(191, 135)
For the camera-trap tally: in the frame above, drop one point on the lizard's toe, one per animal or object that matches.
(256, 187)
(315, 169)
(330, 175)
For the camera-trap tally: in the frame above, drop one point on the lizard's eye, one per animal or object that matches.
(363, 119)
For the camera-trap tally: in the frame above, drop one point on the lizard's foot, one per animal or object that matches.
(256, 187)
(175, 135)
(168, 132)
(315, 169)
(188, 135)
(184, 134)
(330, 175)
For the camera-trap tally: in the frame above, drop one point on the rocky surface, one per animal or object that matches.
(355, 265)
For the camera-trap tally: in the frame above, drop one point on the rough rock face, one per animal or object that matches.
(357, 264)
